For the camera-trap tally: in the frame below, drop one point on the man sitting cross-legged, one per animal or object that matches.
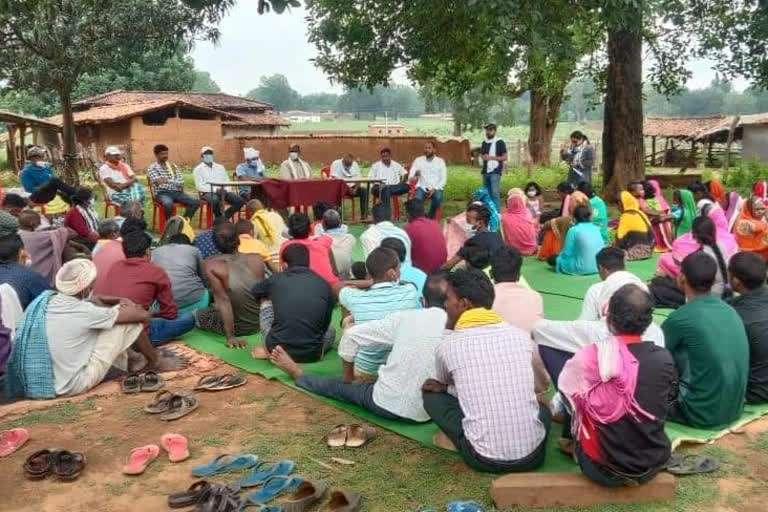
(408, 273)
(483, 398)
(709, 344)
(747, 275)
(620, 391)
(232, 276)
(373, 300)
(413, 337)
(83, 337)
(296, 313)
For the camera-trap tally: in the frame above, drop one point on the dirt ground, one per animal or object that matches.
(274, 422)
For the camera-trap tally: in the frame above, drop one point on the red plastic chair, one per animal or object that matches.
(412, 192)
(158, 211)
(108, 203)
(325, 172)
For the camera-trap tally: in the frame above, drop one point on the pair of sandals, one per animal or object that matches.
(62, 464)
(220, 382)
(172, 405)
(690, 464)
(207, 497)
(309, 494)
(147, 382)
(351, 436)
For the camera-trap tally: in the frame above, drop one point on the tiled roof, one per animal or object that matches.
(216, 100)
(14, 118)
(111, 113)
(679, 127)
(266, 119)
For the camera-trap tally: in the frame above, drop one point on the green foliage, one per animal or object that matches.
(204, 83)
(276, 90)
(742, 177)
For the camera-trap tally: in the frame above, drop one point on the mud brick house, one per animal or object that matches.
(184, 121)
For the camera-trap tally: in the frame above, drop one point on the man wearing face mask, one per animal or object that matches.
(250, 170)
(493, 154)
(37, 178)
(294, 168)
(207, 172)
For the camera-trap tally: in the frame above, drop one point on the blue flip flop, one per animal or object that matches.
(224, 463)
(464, 506)
(274, 487)
(264, 471)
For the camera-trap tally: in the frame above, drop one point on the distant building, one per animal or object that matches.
(185, 121)
(386, 129)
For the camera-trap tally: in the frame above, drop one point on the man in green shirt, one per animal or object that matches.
(708, 341)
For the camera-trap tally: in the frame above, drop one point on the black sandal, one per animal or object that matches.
(38, 465)
(131, 384)
(197, 492)
(151, 381)
(67, 465)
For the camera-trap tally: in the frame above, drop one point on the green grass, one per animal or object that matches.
(58, 414)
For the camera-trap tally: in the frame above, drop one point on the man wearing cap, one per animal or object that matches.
(493, 154)
(294, 168)
(167, 181)
(207, 172)
(37, 178)
(250, 170)
(119, 179)
(85, 337)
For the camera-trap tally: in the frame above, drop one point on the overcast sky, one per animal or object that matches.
(253, 45)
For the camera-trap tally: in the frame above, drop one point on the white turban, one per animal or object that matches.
(205, 149)
(112, 150)
(75, 276)
(251, 153)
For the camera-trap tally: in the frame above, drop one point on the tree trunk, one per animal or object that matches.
(623, 145)
(544, 113)
(456, 125)
(68, 138)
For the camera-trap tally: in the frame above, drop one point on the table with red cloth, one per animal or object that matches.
(296, 193)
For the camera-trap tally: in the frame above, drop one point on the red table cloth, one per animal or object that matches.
(285, 193)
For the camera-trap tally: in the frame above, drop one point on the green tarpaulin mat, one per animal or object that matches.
(562, 301)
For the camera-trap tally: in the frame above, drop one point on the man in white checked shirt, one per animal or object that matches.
(483, 399)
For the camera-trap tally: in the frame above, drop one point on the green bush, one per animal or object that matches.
(742, 177)
(463, 181)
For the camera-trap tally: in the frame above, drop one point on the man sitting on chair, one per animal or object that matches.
(250, 170)
(294, 168)
(167, 181)
(394, 176)
(38, 179)
(119, 179)
(432, 175)
(208, 172)
(346, 168)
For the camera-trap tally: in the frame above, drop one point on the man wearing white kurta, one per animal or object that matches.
(393, 176)
(207, 172)
(432, 174)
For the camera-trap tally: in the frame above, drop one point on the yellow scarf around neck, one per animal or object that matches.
(476, 317)
(266, 229)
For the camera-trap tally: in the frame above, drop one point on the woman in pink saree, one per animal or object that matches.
(655, 206)
(518, 228)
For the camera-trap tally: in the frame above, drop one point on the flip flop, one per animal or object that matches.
(305, 497)
(131, 384)
(140, 458)
(176, 445)
(682, 464)
(264, 470)
(219, 499)
(360, 435)
(67, 465)
(245, 505)
(464, 506)
(206, 382)
(226, 462)
(343, 501)
(11, 440)
(161, 403)
(151, 381)
(195, 493)
(38, 465)
(180, 406)
(227, 381)
(274, 487)
(337, 437)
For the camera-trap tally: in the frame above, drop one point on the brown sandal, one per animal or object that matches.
(359, 435)
(337, 437)
(180, 406)
(343, 501)
(38, 465)
(67, 465)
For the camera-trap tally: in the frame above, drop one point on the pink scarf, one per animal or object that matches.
(122, 167)
(519, 230)
(658, 195)
(599, 382)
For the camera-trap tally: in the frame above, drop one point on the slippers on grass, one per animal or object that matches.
(67, 465)
(274, 487)
(180, 406)
(176, 445)
(194, 494)
(359, 435)
(464, 506)
(38, 465)
(337, 437)
(264, 470)
(343, 501)
(131, 384)
(206, 382)
(682, 464)
(11, 440)
(226, 462)
(220, 382)
(151, 381)
(161, 403)
(306, 496)
(140, 458)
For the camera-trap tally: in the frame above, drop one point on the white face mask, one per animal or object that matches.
(254, 162)
(531, 193)
(293, 155)
(208, 159)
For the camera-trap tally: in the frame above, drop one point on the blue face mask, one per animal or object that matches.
(208, 159)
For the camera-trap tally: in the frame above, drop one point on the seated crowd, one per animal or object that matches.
(436, 324)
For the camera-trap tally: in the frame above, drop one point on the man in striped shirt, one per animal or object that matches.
(384, 295)
(483, 399)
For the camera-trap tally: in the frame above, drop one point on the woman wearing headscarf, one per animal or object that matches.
(734, 205)
(484, 197)
(556, 229)
(717, 191)
(706, 205)
(599, 210)
(656, 208)
(517, 226)
(760, 190)
(751, 230)
(633, 234)
(82, 218)
(457, 230)
(684, 211)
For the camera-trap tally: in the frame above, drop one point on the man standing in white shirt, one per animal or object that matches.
(208, 172)
(432, 174)
(394, 177)
(346, 168)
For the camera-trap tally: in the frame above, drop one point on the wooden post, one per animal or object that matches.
(12, 148)
(666, 148)
(692, 155)
(653, 151)
(731, 133)
(34, 135)
(519, 152)
(709, 154)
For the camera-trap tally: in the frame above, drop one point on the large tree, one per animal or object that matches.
(49, 45)
(276, 90)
